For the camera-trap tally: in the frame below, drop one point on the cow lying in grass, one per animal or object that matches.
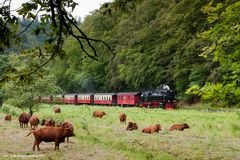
(179, 127)
(98, 114)
(132, 126)
(152, 129)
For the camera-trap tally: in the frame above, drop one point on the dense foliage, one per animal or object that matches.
(224, 47)
(24, 92)
(156, 42)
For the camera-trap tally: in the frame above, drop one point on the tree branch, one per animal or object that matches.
(28, 24)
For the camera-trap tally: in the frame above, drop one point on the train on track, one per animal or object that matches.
(161, 97)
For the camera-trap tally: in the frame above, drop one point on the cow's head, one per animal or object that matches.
(186, 125)
(158, 127)
(43, 122)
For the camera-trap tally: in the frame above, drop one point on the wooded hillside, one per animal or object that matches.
(191, 45)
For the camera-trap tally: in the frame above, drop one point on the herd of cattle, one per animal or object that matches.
(58, 132)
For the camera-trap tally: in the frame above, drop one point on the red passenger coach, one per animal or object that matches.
(85, 98)
(37, 99)
(105, 98)
(128, 98)
(46, 99)
(59, 98)
(70, 98)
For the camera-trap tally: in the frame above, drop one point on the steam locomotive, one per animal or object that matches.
(161, 97)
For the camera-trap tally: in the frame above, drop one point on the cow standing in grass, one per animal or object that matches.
(48, 122)
(34, 121)
(69, 126)
(49, 134)
(8, 117)
(24, 119)
(57, 110)
(123, 117)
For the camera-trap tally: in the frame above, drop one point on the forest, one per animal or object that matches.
(191, 45)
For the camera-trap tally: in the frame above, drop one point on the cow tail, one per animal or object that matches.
(31, 131)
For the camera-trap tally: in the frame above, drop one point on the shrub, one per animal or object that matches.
(218, 95)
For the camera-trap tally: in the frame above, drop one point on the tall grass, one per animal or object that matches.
(209, 133)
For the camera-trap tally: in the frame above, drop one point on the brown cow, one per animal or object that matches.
(152, 129)
(48, 122)
(57, 110)
(49, 134)
(179, 127)
(8, 117)
(123, 117)
(98, 114)
(70, 126)
(24, 119)
(34, 121)
(132, 126)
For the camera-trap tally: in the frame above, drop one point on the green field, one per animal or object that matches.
(212, 135)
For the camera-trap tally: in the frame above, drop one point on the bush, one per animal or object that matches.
(218, 95)
(9, 110)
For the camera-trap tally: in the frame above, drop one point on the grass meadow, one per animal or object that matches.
(212, 135)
